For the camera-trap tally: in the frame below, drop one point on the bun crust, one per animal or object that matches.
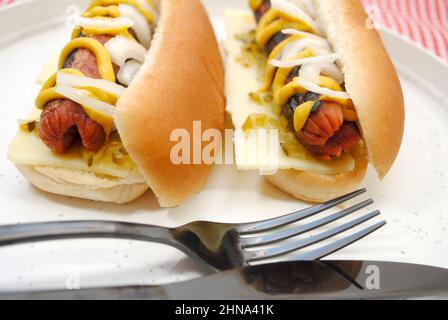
(370, 78)
(84, 185)
(319, 188)
(181, 82)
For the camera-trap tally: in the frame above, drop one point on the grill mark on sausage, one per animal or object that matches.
(295, 101)
(85, 61)
(274, 42)
(294, 73)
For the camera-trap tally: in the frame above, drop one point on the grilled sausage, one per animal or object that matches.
(342, 141)
(325, 134)
(62, 121)
(322, 124)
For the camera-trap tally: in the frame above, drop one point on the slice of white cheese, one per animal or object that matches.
(28, 149)
(242, 80)
(256, 150)
(50, 68)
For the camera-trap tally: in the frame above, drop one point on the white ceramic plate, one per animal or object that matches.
(413, 198)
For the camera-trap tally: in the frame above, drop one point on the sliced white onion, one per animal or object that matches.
(310, 72)
(296, 12)
(332, 71)
(141, 25)
(318, 47)
(302, 33)
(66, 79)
(329, 58)
(122, 49)
(105, 23)
(310, 86)
(128, 72)
(82, 97)
(145, 6)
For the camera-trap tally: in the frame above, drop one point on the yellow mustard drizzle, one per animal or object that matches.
(98, 9)
(109, 31)
(96, 31)
(147, 14)
(46, 96)
(270, 24)
(275, 21)
(255, 4)
(301, 115)
(102, 11)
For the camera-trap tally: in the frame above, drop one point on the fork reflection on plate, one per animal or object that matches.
(220, 246)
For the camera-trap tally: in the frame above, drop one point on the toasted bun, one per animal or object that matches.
(85, 185)
(370, 78)
(318, 188)
(181, 82)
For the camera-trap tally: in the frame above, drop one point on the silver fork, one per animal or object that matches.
(216, 245)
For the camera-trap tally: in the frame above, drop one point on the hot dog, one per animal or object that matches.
(63, 120)
(323, 75)
(101, 126)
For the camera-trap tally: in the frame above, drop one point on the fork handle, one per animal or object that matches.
(23, 233)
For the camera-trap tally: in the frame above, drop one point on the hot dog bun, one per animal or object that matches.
(85, 185)
(370, 80)
(181, 81)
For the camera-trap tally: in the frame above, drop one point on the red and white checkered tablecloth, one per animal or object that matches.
(423, 21)
(5, 2)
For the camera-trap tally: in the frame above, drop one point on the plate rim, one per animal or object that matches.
(381, 28)
(422, 51)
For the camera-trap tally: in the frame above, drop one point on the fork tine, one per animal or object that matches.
(298, 230)
(324, 251)
(295, 216)
(294, 246)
